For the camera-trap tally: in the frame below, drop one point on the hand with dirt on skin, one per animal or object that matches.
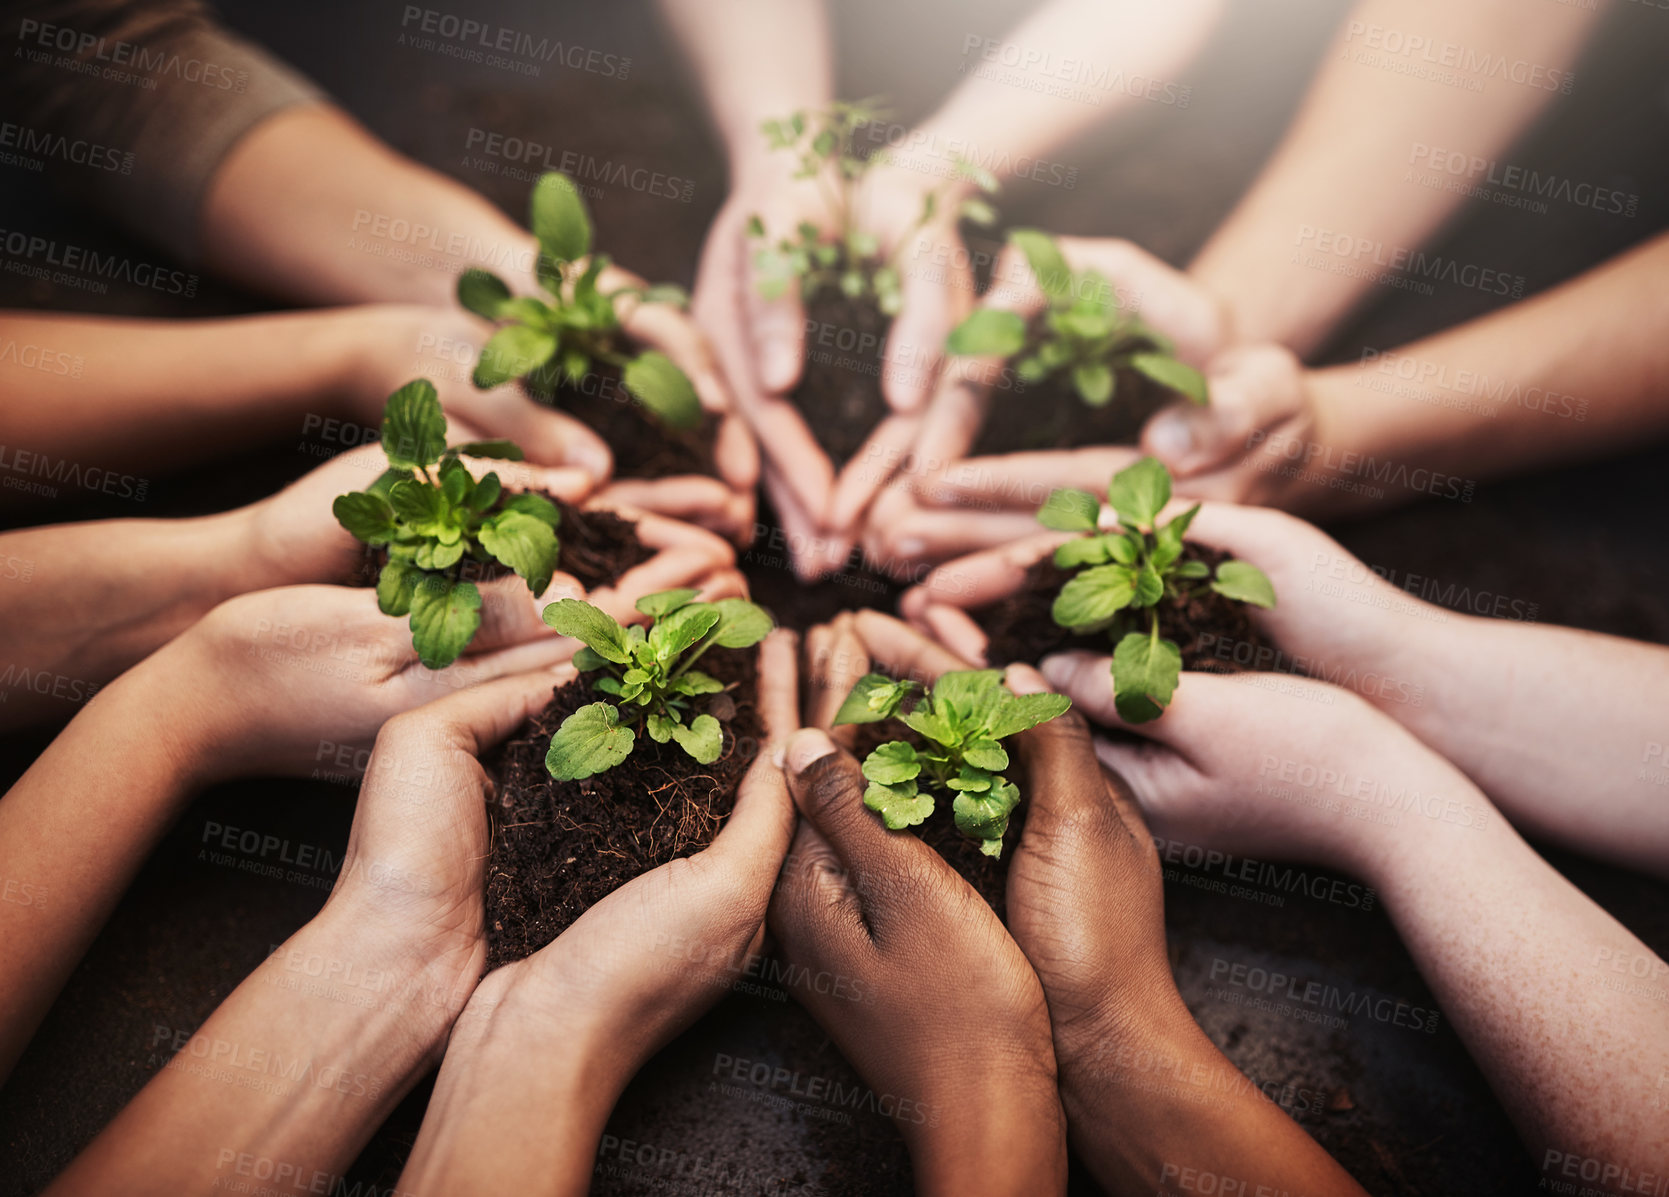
(945, 1014)
(1084, 850)
(947, 503)
(547, 1043)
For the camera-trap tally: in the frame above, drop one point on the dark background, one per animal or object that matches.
(1407, 1112)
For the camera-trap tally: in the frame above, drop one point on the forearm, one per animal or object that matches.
(150, 394)
(1154, 1107)
(86, 601)
(73, 832)
(291, 1072)
(311, 207)
(487, 1097)
(754, 60)
(1543, 986)
(1347, 167)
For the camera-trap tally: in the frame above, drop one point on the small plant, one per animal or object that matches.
(962, 721)
(649, 677)
(576, 324)
(1085, 336)
(848, 258)
(432, 513)
(1132, 569)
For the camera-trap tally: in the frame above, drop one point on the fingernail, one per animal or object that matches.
(594, 460)
(1170, 437)
(911, 546)
(806, 747)
(1023, 679)
(777, 756)
(1058, 669)
(781, 361)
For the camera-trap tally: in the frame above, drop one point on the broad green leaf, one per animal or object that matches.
(1193, 569)
(537, 506)
(659, 727)
(1139, 492)
(663, 388)
(874, 698)
(981, 816)
(703, 738)
(675, 633)
(1150, 587)
(1145, 674)
(988, 332)
(499, 450)
(482, 292)
(444, 616)
(1067, 510)
(665, 602)
(1044, 256)
(435, 555)
(559, 218)
(1245, 583)
(892, 763)
(1168, 540)
(986, 754)
(367, 516)
(591, 626)
(930, 725)
(487, 492)
(1086, 550)
(693, 682)
(1022, 712)
(589, 741)
(512, 352)
(394, 587)
(1094, 596)
(525, 544)
(416, 503)
(413, 426)
(967, 697)
(1094, 383)
(455, 482)
(900, 805)
(588, 658)
(741, 623)
(1167, 371)
(1123, 548)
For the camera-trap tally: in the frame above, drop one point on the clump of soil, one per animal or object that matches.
(1022, 629)
(1051, 415)
(643, 445)
(558, 847)
(840, 392)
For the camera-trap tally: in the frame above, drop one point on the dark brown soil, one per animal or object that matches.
(840, 392)
(1050, 415)
(558, 847)
(1021, 628)
(596, 547)
(643, 446)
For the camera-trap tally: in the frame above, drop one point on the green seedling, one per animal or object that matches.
(847, 257)
(962, 722)
(576, 325)
(1084, 336)
(1129, 570)
(431, 514)
(648, 677)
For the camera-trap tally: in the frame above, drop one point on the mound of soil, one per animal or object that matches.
(596, 547)
(558, 847)
(643, 446)
(840, 392)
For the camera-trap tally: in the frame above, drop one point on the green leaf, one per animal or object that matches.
(892, 763)
(1168, 540)
(525, 544)
(513, 351)
(588, 658)
(1068, 510)
(930, 725)
(592, 626)
(1167, 371)
(589, 741)
(487, 492)
(498, 450)
(986, 754)
(703, 738)
(559, 218)
(1145, 675)
(395, 585)
(1123, 548)
(693, 682)
(675, 633)
(874, 698)
(433, 555)
(900, 805)
(1139, 492)
(1193, 569)
(988, 332)
(1150, 587)
(455, 482)
(537, 506)
(977, 211)
(660, 727)
(444, 616)
(367, 516)
(482, 292)
(741, 624)
(1086, 550)
(1022, 712)
(413, 426)
(665, 602)
(1244, 582)
(416, 503)
(1094, 596)
(1054, 276)
(982, 816)
(968, 697)
(1094, 383)
(664, 389)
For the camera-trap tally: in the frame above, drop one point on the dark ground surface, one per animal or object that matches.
(1405, 1110)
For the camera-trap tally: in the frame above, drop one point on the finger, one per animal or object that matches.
(722, 584)
(956, 630)
(469, 720)
(1154, 780)
(776, 330)
(662, 326)
(982, 578)
(511, 614)
(686, 497)
(929, 308)
(755, 837)
(869, 469)
(660, 532)
(951, 424)
(735, 453)
(1186, 725)
(1025, 480)
(838, 660)
(808, 548)
(1014, 288)
(571, 484)
(779, 686)
(794, 454)
(1165, 298)
(1251, 388)
(924, 535)
(902, 650)
(668, 569)
(547, 436)
(815, 913)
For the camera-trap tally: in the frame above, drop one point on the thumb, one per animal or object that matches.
(1251, 389)
(776, 327)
